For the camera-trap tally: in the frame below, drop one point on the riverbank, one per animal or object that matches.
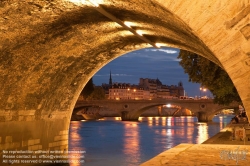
(224, 148)
(226, 136)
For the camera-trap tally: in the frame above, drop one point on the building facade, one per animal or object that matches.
(158, 90)
(124, 91)
(147, 89)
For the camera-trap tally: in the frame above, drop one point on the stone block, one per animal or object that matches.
(215, 7)
(235, 8)
(30, 118)
(63, 132)
(201, 19)
(64, 147)
(213, 35)
(26, 112)
(58, 143)
(246, 31)
(31, 142)
(35, 147)
(61, 137)
(191, 15)
(246, 47)
(36, 141)
(9, 146)
(8, 118)
(236, 55)
(232, 43)
(172, 5)
(24, 143)
(8, 139)
(20, 118)
(16, 144)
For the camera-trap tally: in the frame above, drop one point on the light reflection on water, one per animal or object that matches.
(131, 142)
(114, 142)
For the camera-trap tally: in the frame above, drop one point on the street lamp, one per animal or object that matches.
(202, 89)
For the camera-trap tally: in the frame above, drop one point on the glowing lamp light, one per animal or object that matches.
(168, 105)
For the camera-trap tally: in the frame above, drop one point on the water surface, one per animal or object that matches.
(112, 142)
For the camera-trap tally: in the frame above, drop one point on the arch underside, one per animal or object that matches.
(49, 50)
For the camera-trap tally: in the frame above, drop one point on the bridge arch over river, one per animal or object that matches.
(50, 49)
(130, 110)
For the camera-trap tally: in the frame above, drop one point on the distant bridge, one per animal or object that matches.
(130, 110)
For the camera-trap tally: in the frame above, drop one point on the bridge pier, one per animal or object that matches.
(33, 135)
(159, 110)
(204, 117)
(126, 116)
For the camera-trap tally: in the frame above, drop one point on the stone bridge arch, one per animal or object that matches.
(130, 110)
(234, 107)
(203, 110)
(134, 116)
(204, 116)
(50, 49)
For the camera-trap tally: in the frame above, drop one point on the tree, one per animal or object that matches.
(88, 89)
(210, 75)
(97, 94)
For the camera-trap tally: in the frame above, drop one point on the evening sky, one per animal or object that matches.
(148, 63)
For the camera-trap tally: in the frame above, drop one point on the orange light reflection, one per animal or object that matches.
(157, 121)
(150, 121)
(117, 118)
(74, 135)
(131, 142)
(163, 122)
(202, 132)
(221, 122)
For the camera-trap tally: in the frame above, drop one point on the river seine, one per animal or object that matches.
(112, 142)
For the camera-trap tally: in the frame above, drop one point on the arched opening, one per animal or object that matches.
(49, 50)
(131, 143)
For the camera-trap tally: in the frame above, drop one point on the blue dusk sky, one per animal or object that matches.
(148, 63)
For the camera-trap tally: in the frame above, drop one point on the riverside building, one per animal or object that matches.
(158, 90)
(125, 91)
(147, 89)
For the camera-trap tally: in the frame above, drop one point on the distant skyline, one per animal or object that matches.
(148, 63)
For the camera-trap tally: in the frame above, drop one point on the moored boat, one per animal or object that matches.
(90, 116)
(91, 113)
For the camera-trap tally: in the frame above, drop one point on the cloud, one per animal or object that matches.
(126, 75)
(113, 75)
(144, 56)
(168, 51)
